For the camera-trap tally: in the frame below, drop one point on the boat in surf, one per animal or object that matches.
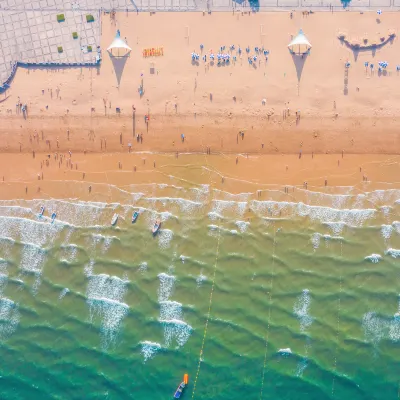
(114, 219)
(181, 387)
(156, 226)
(41, 211)
(135, 216)
(53, 217)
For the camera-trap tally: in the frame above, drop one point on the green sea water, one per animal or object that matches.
(253, 298)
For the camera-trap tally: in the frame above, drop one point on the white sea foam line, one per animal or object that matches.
(208, 315)
(338, 320)
(269, 315)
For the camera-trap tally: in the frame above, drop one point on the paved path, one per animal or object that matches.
(30, 33)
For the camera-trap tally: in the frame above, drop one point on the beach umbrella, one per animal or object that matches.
(398, 68)
(300, 44)
(201, 46)
(255, 58)
(119, 48)
(247, 49)
(371, 66)
(347, 65)
(240, 50)
(379, 12)
(366, 64)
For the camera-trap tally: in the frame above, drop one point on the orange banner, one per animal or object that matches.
(153, 52)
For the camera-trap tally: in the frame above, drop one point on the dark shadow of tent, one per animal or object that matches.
(299, 61)
(119, 65)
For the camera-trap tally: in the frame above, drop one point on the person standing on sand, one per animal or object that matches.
(68, 134)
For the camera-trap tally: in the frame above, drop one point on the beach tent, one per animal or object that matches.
(300, 44)
(119, 48)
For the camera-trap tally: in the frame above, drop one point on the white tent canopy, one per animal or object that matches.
(300, 44)
(119, 48)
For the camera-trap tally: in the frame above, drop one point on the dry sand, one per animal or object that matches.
(357, 115)
(365, 120)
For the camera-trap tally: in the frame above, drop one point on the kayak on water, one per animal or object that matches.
(181, 387)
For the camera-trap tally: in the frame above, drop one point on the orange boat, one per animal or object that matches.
(181, 386)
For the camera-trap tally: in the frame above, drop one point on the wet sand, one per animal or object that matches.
(287, 174)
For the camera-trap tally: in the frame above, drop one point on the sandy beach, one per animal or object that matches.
(210, 104)
(302, 119)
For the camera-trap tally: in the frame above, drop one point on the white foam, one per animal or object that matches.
(9, 318)
(214, 216)
(301, 310)
(386, 231)
(336, 227)
(393, 252)
(200, 279)
(237, 207)
(285, 351)
(394, 330)
(167, 283)
(351, 217)
(103, 240)
(242, 225)
(374, 258)
(316, 239)
(164, 238)
(143, 266)
(63, 293)
(149, 349)
(69, 253)
(386, 210)
(375, 327)
(170, 310)
(105, 299)
(185, 205)
(29, 231)
(176, 329)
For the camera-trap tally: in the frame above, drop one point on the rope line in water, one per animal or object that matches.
(338, 322)
(269, 317)
(208, 314)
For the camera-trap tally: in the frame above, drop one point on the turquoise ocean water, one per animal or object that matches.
(254, 298)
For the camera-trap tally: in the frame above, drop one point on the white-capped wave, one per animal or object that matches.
(351, 217)
(165, 237)
(167, 283)
(63, 293)
(149, 349)
(105, 296)
(386, 231)
(395, 253)
(9, 318)
(374, 258)
(242, 225)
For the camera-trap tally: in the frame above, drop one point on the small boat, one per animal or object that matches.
(41, 211)
(135, 216)
(114, 219)
(53, 217)
(181, 386)
(156, 227)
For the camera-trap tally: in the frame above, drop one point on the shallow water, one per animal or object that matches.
(255, 298)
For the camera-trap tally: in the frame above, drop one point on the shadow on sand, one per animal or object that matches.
(119, 65)
(357, 48)
(299, 61)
